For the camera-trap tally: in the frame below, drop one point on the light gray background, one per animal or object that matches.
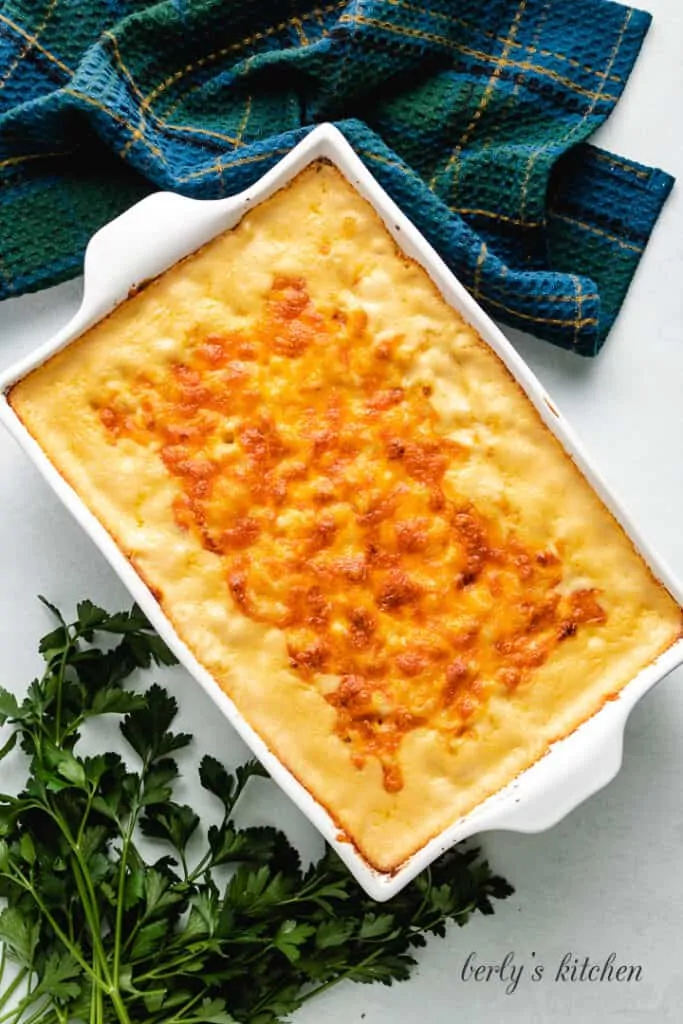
(610, 877)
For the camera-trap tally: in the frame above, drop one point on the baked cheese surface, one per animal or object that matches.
(351, 514)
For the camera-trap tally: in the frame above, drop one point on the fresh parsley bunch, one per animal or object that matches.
(100, 934)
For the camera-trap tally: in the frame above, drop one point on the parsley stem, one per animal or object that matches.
(119, 1007)
(84, 885)
(169, 968)
(125, 850)
(18, 1011)
(86, 892)
(96, 999)
(206, 862)
(84, 819)
(340, 977)
(68, 647)
(118, 927)
(7, 994)
(14, 1014)
(93, 996)
(39, 1015)
(179, 1016)
(428, 888)
(61, 935)
(92, 916)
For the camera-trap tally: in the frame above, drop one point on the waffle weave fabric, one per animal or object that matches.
(473, 114)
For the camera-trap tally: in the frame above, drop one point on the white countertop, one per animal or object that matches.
(609, 878)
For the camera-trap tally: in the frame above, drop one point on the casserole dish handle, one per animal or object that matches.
(147, 239)
(584, 763)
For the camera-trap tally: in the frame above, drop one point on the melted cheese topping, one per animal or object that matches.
(324, 497)
(351, 514)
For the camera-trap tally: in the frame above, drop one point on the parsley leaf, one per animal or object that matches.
(9, 706)
(147, 727)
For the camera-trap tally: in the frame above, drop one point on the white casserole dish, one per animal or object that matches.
(155, 234)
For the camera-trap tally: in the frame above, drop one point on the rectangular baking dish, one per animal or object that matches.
(155, 234)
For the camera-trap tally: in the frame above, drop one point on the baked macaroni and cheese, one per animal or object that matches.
(351, 514)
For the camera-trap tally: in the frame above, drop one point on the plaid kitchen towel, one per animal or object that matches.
(473, 114)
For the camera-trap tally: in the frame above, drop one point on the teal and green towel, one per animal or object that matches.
(473, 114)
